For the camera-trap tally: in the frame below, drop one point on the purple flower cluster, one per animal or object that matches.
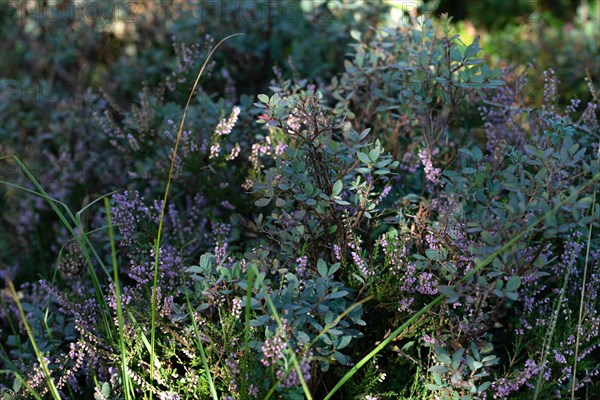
(128, 211)
(427, 284)
(337, 251)
(356, 252)
(302, 272)
(432, 174)
(292, 379)
(274, 346)
(273, 349)
(169, 269)
(503, 387)
(263, 149)
(550, 91)
(226, 125)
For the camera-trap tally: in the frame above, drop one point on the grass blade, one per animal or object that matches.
(127, 384)
(38, 353)
(211, 386)
(581, 301)
(164, 204)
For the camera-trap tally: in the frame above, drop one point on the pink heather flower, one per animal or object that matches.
(280, 148)
(429, 340)
(550, 90)
(294, 123)
(226, 204)
(338, 252)
(559, 357)
(361, 264)
(405, 304)
(273, 350)
(220, 252)
(225, 126)
(236, 309)
(301, 270)
(427, 284)
(292, 380)
(431, 174)
(215, 150)
(248, 184)
(386, 190)
(234, 153)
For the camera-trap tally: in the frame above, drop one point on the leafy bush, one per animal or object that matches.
(411, 227)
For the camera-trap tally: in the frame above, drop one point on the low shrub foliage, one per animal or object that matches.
(400, 223)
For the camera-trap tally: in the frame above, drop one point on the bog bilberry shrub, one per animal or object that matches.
(369, 197)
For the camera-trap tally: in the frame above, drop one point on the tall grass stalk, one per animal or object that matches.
(164, 205)
(581, 301)
(211, 385)
(549, 336)
(49, 382)
(81, 237)
(127, 384)
(249, 286)
(488, 260)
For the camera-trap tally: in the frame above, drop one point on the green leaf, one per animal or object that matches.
(472, 49)
(439, 369)
(456, 358)
(18, 383)
(106, 389)
(474, 61)
(513, 283)
(264, 98)
(302, 337)
(262, 202)
(344, 341)
(449, 292)
(342, 359)
(483, 387)
(471, 363)
(432, 254)
(358, 277)
(442, 355)
(322, 268)
(363, 157)
(334, 268)
(207, 260)
(336, 295)
(374, 154)
(279, 202)
(260, 321)
(364, 133)
(487, 237)
(511, 296)
(337, 188)
(408, 345)
(455, 55)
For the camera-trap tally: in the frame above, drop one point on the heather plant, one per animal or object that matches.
(461, 264)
